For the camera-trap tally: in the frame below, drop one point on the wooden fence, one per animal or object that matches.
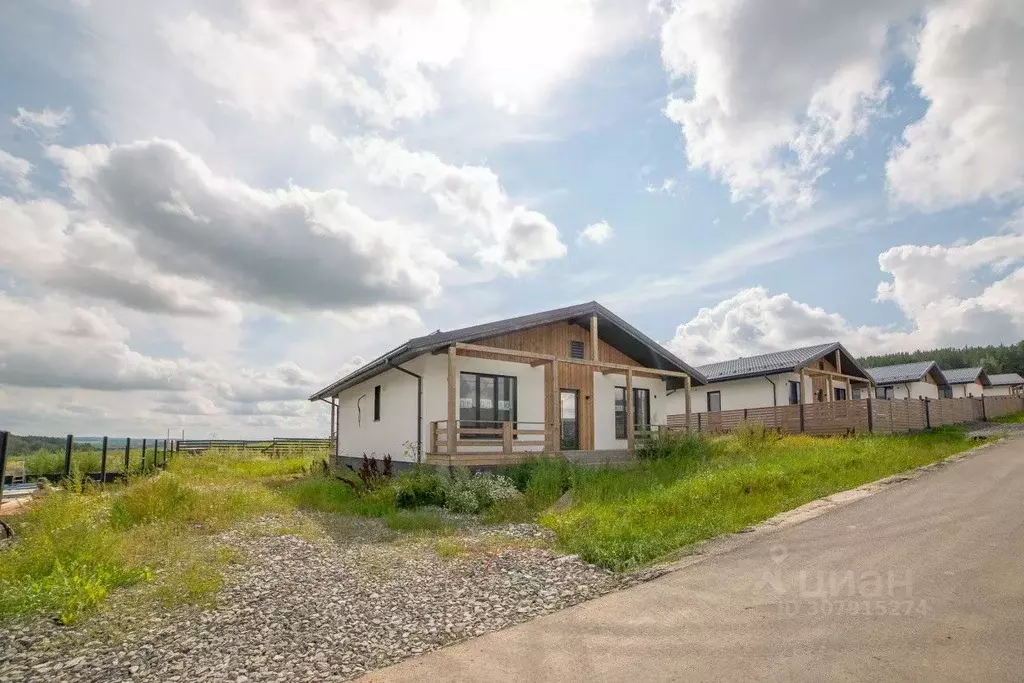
(882, 416)
(277, 446)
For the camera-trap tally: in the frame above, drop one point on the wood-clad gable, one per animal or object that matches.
(554, 339)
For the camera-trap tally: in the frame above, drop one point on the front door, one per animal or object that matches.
(570, 400)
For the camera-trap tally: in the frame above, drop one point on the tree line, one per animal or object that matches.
(994, 359)
(18, 446)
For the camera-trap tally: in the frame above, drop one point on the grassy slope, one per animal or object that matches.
(1014, 418)
(623, 519)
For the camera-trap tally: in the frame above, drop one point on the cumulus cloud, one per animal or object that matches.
(503, 233)
(598, 233)
(46, 246)
(951, 295)
(970, 143)
(50, 343)
(775, 88)
(14, 170)
(290, 248)
(45, 123)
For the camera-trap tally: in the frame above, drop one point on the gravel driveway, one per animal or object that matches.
(301, 610)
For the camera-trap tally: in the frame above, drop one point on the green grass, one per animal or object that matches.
(1013, 418)
(625, 518)
(74, 546)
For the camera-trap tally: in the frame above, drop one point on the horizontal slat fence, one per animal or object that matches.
(882, 416)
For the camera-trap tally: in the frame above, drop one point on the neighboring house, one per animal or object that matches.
(964, 383)
(572, 379)
(908, 380)
(1010, 384)
(826, 372)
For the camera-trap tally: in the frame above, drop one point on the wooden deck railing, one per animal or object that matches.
(480, 438)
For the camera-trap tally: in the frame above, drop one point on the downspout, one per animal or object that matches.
(419, 406)
(775, 395)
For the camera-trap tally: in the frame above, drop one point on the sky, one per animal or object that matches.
(210, 210)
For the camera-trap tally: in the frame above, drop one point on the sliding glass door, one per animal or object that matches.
(486, 401)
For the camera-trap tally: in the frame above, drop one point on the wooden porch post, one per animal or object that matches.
(593, 338)
(453, 403)
(630, 425)
(803, 388)
(687, 405)
(555, 427)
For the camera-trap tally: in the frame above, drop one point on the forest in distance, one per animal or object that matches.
(994, 359)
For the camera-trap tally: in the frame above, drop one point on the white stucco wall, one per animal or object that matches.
(604, 407)
(913, 390)
(752, 392)
(1005, 390)
(966, 390)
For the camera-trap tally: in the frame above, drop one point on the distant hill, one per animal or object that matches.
(995, 359)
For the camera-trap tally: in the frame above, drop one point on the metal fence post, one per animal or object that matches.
(143, 470)
(984, 414)
(801, 418)
(127, 454)
(68, 445)
(103, 463)
(165, 452)
(3, 462)
(927, 414)
(871, 416)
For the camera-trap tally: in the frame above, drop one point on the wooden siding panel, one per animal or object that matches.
(554, 339)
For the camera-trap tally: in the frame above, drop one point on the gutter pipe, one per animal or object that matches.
(419, 406)
(775, 394)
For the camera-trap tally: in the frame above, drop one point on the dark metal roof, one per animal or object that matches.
(1008, 379)
(779, 361)
(907, 372)
(966, 376)
(611, 329)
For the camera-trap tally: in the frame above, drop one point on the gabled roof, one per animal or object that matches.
(779, 361)
(966, 376)
(611, 329)
(907, 372)
(1009, 379)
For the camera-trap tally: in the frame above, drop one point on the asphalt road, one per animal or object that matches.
(923, 581)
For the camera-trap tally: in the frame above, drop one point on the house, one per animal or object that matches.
(908, 380)
(826, 372)
(1010, 384)
(964, 383)
(579, 381)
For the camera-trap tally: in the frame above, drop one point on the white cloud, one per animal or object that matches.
(503, 233)
(50, 343)
(598, 233)
(45, 123)
(971, 294)
(776, 88)
(16, 170)
(970, 143)
(290, 248)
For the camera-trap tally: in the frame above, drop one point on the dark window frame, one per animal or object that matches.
(376, 403)
(795, 397)
(885, 392)
(714, 393)
(513, 402)
(836, 393)
(577, 349)
(620, 427)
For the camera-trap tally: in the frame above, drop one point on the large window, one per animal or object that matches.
(794, 393)
(883, 392)
(485, 401)
(714, 401)
(840, 393)
(376, 403)
(946, 392)
(641, 410)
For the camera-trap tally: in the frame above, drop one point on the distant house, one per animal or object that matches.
(1010, 384)
(813, 374)
(964, 382)
(908, 380)
(576, 380)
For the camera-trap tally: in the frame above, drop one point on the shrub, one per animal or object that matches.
(420, 488)
(471, 494)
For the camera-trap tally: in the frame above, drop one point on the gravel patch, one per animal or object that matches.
(302, 610)
(977, 430)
